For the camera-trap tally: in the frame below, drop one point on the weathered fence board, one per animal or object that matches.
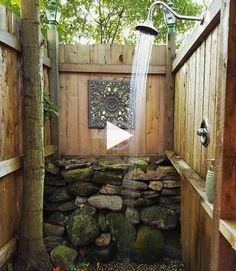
(80, 63)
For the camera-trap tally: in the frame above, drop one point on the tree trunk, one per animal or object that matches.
(32, 254)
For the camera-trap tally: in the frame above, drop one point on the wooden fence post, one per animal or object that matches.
(53, 49)
(169, 93)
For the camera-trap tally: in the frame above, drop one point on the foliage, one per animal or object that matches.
(49, 106)
(106, 21)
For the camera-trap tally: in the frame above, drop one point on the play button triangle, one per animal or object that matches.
(115, 135)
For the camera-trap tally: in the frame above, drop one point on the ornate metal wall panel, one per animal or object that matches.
(109, 101)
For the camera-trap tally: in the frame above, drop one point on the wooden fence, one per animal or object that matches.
(80, 63)
(204, 72)
(11, 130)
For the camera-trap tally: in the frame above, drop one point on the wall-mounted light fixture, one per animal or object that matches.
(53, 13)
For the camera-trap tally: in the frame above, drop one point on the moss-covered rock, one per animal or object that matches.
(61, 194)
(64, 257)
(114, 203)
(107, 177)
(57, 218)
(52, 230)
(160, 217)
(122, 232)
(79, 174)
(82, 189)
(112, 165)
(139, 163)
(172, 244)
(148, 246)
(52, 168)
(102, 223)
(82, 227)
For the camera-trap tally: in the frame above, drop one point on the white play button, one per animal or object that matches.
(115, 135)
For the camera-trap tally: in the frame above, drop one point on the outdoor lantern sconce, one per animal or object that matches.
(53, 13)
(170, 19)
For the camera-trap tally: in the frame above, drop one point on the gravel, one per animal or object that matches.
(166, 265)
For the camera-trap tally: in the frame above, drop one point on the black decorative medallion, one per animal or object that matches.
(109, 101)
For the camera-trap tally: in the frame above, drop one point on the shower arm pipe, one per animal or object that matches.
(178, 16)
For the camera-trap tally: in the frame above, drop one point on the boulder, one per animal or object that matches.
(130, 193)
(167, 172)
(140, 202)
(171, 183)
(51, 179)
(78, 175)
(148, 247)
(82, 189)
(172, 244)
(80, 201)
(52, 241)
(159, 217)
(57, 218)
(102, 223)
(132, 215)
(63, 257)
(82, 227)
(109, 189)
(103, 240)
(113, 203)
(52, 230)
(134, 185)
(107, 177)
(61, 194)
(101, 254)
(135, 174)
(156, 185)
(52, 168)
(60, 206)
(122, 232)
(170, 192)
(139, 163)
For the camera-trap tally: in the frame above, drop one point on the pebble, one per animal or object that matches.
(166, 265)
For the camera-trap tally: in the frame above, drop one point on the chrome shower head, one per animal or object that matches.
(147, 28)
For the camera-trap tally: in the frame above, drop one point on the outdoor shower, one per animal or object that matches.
(147, 26)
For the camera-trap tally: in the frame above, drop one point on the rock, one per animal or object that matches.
(169, 199)
(134, 185)
(61, 194)
(171, 183)
(159, 217)
(170, 192)
(112, 165)
(103, 240)
(64, 257)
(167, 172)
(149, 245)
(107, 177)
(82, 227)
(130, 193)
(80, 201)
(52, 230)
(69, 163)
(140, 202)
(172, 244)
(49, 190)
(113, 203)
(82, 189)
(122, 232)
(52, 241)
(152, 195)
(57, 219)
(101, 254)
(109, 189)
(51, 179)
(135, 174)
(139, 163)
(60, 206)
(155, 185)
(102, 223)
(132, 215)
(78, 175)
(52, 168)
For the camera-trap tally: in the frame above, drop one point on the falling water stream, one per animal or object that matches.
(141, 60)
